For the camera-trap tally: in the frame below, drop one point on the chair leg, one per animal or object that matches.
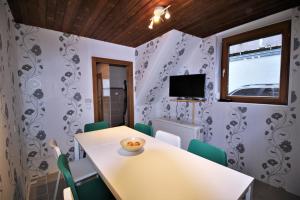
(56, 186)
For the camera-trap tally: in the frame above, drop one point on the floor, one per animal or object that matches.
(44, 190)
(262, 191)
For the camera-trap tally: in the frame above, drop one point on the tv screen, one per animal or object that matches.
(187, 86)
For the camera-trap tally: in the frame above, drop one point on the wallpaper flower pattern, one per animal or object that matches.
(278, 163)
(29, 74)
(166, 70)
(182, 111)
(234, 137)
(280, 143)
(13, 180)
(276, 159)
(144, 56)
(50, 77)
(296, 40)
(164, 73)
(42, 63)
(71, 77)
(204, 110)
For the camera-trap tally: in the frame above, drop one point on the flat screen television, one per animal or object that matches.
(187, 86)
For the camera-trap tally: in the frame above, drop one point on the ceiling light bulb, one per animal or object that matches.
(151, 25)
(167, 15)
(156, 19)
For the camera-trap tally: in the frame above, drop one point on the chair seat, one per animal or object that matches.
(94, 189)
(82, 169)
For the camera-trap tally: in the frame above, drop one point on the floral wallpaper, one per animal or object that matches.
(163, 69)
(278, 163)
(296, 40)
(13, 179)
(182, 111)
(35, 89)
(234, 137)
(30, 71)
(144, 57)
(56, 90)
(44, 93)
(165, 72)
(70, 77)
(260, 140)
(204, 110)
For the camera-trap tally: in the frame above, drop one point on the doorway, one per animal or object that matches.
(113, 91)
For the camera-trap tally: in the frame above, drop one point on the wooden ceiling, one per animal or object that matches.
(126, 21)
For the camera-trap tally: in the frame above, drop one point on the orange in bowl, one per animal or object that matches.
(132, 143)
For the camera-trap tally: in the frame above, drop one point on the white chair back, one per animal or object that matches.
(54, 146)
(168, 138)
(68, 194)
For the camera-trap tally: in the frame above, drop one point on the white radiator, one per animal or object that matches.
(185, 131)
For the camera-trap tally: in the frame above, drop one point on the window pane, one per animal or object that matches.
(254, 67)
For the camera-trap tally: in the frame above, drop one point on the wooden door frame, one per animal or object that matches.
(130, 96)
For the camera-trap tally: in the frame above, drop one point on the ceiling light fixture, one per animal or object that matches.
(151, 25)
(159, 11)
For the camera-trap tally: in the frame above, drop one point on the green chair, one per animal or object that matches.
(208, 151)
(96, 126)
(87, 190)
(144, 129)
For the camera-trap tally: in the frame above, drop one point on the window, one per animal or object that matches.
(255, 65)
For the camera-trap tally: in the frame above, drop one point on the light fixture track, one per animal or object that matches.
(158, 12)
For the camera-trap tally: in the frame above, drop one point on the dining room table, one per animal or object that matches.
(159, 171)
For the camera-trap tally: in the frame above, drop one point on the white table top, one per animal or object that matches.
(160, 172)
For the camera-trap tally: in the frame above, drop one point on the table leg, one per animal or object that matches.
(249, 194)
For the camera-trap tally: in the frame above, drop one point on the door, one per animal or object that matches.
(100, 96)
(129, 114)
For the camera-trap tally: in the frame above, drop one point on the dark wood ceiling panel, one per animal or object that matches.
(15, 8)
(239, 15)
(121, 14)
(50, 14)
(61, 6)
(71, 10)
(126, 21)
(103, 8)
(37, 8)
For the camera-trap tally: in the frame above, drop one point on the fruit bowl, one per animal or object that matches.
(132, 144)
